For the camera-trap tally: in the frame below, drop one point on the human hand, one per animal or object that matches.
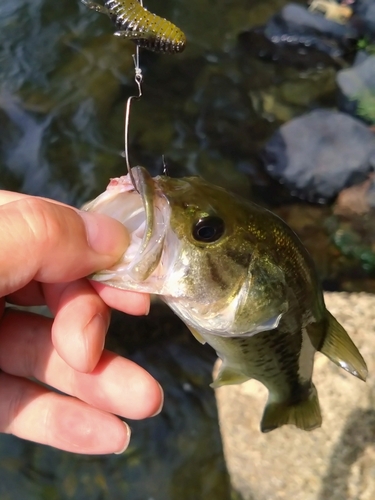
(46, 251)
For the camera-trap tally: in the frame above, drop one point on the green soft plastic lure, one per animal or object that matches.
(135, 22)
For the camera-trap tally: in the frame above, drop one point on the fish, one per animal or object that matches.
(238, 277)
(135, 22)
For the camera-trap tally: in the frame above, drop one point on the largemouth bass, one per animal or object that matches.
(239, 278)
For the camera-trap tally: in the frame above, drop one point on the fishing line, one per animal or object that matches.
(138, 78)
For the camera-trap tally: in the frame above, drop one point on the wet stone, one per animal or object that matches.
(299, 38)
(335, 462)
(320, 153)
(370, 195)
(357, 90)
(364, 17)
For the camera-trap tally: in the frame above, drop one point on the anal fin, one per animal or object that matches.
(227, 376)
(305, 414)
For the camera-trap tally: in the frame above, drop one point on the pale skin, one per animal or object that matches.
(46, 251)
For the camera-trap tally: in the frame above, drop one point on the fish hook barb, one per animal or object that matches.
(138, 77)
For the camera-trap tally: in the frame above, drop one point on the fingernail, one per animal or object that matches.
(162, 402)
(104, 235)
(128, 435)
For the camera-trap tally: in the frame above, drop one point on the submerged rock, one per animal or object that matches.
(370, 196)
(298, 37)
(335, 462)
(364, 17)
(359, 199)
(357, 90)
(319, 154)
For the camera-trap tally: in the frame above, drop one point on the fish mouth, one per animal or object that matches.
(145, 212)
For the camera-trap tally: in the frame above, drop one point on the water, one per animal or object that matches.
(64, 80)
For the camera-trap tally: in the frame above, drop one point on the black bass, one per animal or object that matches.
(239, 278)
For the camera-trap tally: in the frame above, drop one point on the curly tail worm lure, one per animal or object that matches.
(136, 23)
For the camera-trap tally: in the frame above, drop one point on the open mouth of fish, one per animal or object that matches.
(145, 212)
(154, 262)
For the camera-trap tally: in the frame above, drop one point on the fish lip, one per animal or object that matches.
(145, 212)
(156, 218)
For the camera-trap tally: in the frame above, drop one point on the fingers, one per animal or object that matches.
(30, 295)
(32, 412)
(116, 385)
(80, 325)
(82, 318)
(9, 196)
(54, 243)
(128, 302)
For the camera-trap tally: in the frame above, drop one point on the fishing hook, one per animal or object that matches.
(138, 77)
(165, 166)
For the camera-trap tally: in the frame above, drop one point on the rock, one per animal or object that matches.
(298, 37)
(318, 154)
(359, 199)
(299, 19)
(364, 18)
(370, 195)
(335, 462)
(357, 90)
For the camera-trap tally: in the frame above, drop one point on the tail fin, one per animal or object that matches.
(304, 414)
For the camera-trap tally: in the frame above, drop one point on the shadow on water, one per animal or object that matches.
(174, 456)
(358, 434)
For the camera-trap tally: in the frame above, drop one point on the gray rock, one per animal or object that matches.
(298, 17)
(357, 90)
(364, 17)
(320, 153)
(370, 195)
(294, 36)
(335, 462)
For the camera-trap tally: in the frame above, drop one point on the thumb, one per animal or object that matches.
(49, 242)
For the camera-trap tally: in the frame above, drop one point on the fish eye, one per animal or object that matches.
(208, 229)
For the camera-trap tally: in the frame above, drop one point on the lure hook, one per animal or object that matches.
(138, 77)
(165, 166)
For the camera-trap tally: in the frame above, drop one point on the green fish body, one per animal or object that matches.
(239, 278)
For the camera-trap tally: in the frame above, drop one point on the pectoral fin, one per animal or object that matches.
(262, 299)
(305, 414)
(228, 375)
(339, 348)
